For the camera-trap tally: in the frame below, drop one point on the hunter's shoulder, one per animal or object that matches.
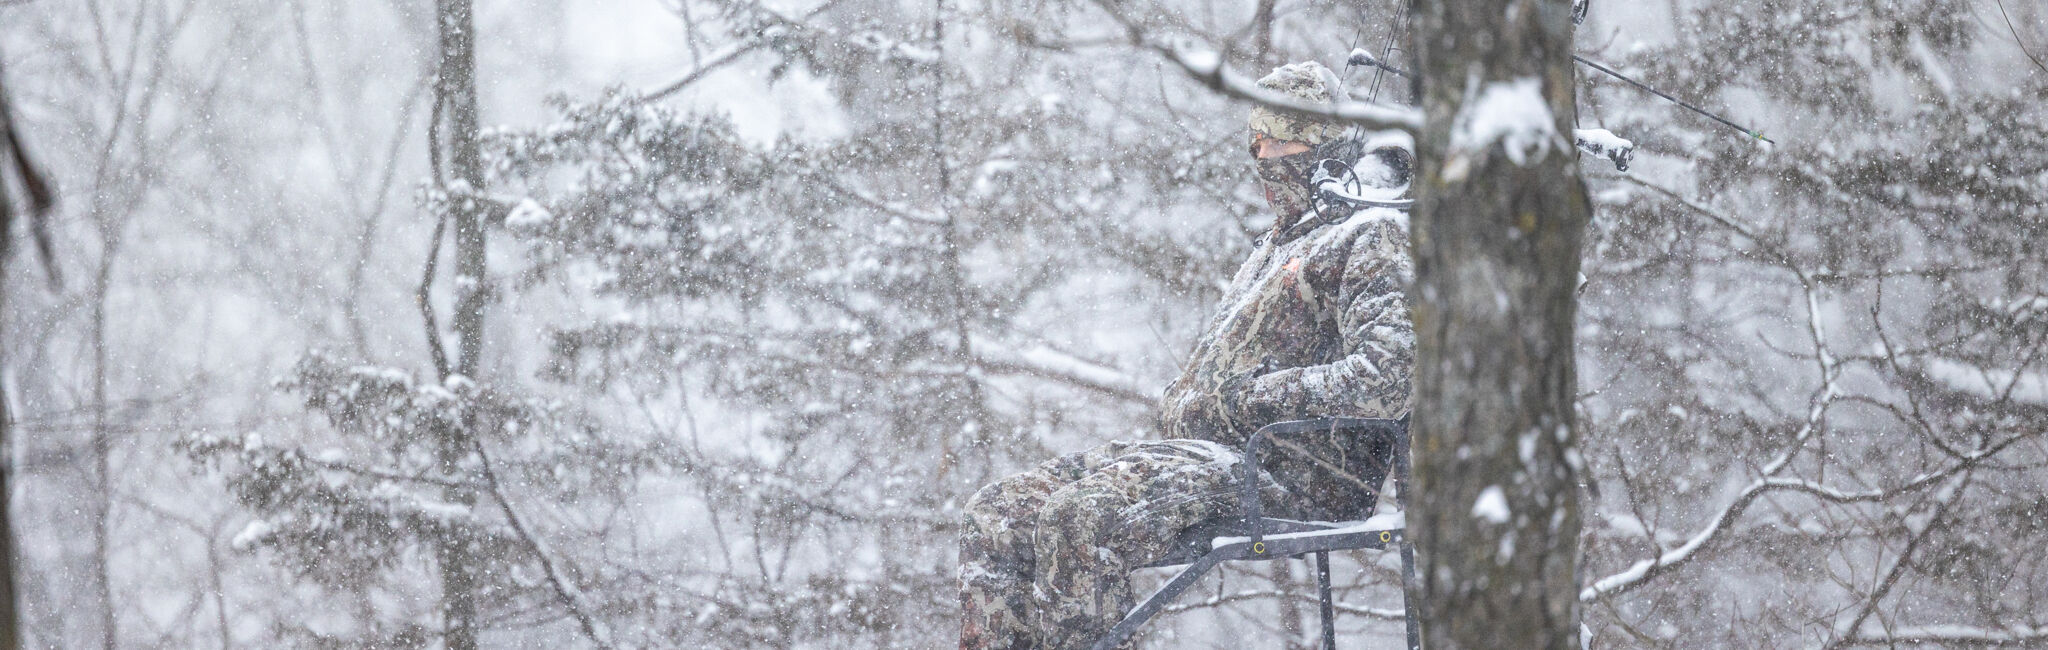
(1371, 233)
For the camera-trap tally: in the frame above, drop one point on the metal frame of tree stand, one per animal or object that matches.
(1257, 538)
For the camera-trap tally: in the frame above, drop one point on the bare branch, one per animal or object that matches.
(424, 298)
(1207, 66)
(733, 53)
(1045, 362)
(565, 592)
(1942, 502)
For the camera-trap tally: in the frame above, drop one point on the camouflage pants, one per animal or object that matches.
(1046, 555)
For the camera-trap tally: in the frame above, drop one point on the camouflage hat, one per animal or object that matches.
(1307, 81)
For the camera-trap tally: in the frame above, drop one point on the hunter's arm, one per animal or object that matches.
(1373, 379)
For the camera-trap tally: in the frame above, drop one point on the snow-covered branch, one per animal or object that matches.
(1206, 65)
(1949, 635)
(887, 207)
(1043, 361)
(1642, 571)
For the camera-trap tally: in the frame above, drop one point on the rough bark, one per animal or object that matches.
(9, 637)
(35, 204)
(1497, 257)
(456, 95)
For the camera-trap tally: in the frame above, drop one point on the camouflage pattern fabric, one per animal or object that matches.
(1046, 555)
(1316, 326)
(1285, 180)
(1311, 327)
(1310, 82)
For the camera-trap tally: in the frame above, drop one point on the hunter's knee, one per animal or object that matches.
(1081, 515)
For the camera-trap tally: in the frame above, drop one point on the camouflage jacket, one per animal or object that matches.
(1312, 326)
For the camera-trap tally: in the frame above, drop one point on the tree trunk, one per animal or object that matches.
(458, 95)
(1497, 228)
(456, 90)
(102, 438)
(1262, 37)
(10, 638)
(34, 205)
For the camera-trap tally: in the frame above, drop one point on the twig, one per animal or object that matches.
(718, 61)
(731, 54)
(423, 297)
(1943, 502)
(2016, 37)
(567, 593)
(1210, 69)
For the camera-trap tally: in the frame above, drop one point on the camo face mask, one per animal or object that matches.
(1285, 179)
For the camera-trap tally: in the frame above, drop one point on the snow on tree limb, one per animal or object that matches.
(1816, 414)
(1207, 67)
(1511, 113)
(1991, 384)
(1949, 635)
(1045, 362)
(1644, 570)
(886, 206)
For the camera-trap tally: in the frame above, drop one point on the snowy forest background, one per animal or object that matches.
(772, 287)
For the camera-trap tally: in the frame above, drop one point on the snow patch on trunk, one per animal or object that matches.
(1512, 113)
(1492, 505)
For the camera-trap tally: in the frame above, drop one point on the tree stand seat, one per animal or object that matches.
(1253, 537)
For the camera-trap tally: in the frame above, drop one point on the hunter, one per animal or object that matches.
(1315, 324)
